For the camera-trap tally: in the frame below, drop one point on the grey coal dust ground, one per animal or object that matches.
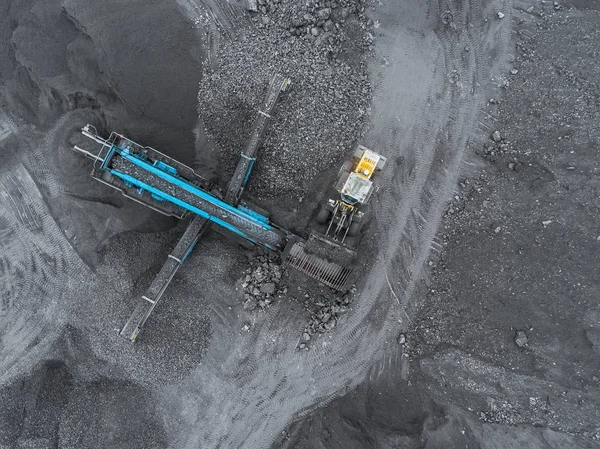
(476, 321)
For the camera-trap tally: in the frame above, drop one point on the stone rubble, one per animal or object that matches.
(265, 281)
(325, 311)
(521, 339)
(262, 282)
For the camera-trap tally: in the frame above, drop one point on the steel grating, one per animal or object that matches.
(329, 273)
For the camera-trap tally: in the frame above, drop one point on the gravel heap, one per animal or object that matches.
(500, 411)
(322, 46)
(265, 280)
(262, 283)
(325, 312)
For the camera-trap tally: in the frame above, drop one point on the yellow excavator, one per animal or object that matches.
(325, 256)
(355, 185)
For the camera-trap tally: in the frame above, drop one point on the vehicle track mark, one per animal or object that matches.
(34, 260)
(13, 192)
(7, 126)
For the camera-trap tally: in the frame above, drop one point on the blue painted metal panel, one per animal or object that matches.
(165, 167)
(109, 155)
(127, 178)
(249, 171)
(192, 189)
(253, 213)
(189, 251)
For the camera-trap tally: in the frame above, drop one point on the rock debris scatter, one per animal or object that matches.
(265, 281)
(262, 282)
(325, 312)
(323, 48)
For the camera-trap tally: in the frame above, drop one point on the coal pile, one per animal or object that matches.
(262, 283)
(322, 46)
(265, 281)
(320, 22)
(325, 311)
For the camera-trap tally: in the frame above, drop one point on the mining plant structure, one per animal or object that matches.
(155, 180)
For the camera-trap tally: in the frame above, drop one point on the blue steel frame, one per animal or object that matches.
(252, 161)
(168, 173)
(127, 178)
(263, 221)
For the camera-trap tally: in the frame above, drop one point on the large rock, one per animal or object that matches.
(324, 13)
(268, 288)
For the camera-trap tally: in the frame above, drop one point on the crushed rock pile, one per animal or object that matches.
(262, 283)
(265, 281)
(497, 145)
(322, 46)
(325, 312)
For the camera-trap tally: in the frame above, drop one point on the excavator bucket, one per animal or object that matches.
(323, 259)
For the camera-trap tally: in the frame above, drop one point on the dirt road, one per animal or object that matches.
(532, 323)
(428, 93)
(503, 348)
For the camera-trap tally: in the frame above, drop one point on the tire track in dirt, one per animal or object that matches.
(7, 126)
(465, 121)
(13, 193)
(426, 107)
(36, 262)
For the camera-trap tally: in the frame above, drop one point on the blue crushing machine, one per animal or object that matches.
(155, 180)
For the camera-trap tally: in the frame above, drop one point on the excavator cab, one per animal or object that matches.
(356, 189)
